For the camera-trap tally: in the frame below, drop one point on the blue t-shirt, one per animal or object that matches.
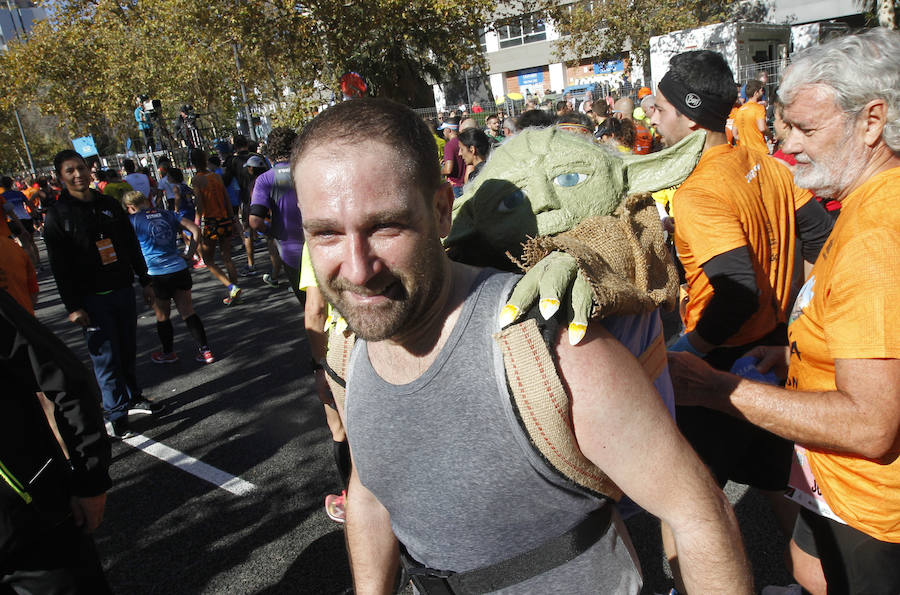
(17, 200)
(157, 231)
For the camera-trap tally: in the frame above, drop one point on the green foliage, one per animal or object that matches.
(86, 62)
(602, 29)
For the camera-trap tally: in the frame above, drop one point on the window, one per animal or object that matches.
(525, 29)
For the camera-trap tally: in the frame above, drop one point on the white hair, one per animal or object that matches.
(858, 69)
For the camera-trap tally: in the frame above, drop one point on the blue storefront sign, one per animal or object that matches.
(532, 76)
(609, 67)
(85, 146)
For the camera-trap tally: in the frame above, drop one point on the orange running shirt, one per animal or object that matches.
(728, 130)
(17, 275)
(850, 309)
(745, 120)
(210, 190)
(734, 198)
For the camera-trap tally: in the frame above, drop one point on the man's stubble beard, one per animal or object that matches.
(419, 288)
(829, 177)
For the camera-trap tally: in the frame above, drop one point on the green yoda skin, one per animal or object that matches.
(544, 182)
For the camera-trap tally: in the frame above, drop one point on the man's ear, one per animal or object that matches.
(875, 118)
(663, 169)
(443, 205)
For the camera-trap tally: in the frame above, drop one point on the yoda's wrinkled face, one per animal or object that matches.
(540, 182)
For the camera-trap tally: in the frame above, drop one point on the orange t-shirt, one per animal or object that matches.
(17, 276)
(745, 120)
(728, 132)
(850, 309)
(210, 190)
(734, 198)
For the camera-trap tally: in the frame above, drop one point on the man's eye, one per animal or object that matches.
(511, 201)
(569, 180)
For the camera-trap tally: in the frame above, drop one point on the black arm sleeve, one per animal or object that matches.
(813, 226)
(735, 295)
(60, 254)
(259, 210)
(59, 374)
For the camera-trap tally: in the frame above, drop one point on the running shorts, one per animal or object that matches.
(214, 229)
(165, 286)
(852, 561)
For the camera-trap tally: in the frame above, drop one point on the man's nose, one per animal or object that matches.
(360, 263)
(792, 143)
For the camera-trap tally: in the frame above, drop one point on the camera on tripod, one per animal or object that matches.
(152, 107)
(188, 114)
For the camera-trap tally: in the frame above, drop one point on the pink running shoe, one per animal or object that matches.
(334, 506)
(205, 356)
(158, 357)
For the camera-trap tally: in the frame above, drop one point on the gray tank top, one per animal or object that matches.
(463, 487)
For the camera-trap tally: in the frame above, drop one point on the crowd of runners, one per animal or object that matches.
(773, 207)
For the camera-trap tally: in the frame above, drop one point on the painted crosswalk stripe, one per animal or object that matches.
(195, 467)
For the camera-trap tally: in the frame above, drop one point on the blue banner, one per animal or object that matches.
(609, 67)
(85, 146)
(531, 76)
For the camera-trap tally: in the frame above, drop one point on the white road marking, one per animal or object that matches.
(195, 467)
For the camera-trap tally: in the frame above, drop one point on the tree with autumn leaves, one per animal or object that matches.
(603, 29)
(87, 61)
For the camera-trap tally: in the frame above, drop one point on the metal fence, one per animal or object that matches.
(774, 69)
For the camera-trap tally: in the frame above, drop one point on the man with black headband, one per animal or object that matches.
(737, 219)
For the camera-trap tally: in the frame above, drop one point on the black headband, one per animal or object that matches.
(708, 112)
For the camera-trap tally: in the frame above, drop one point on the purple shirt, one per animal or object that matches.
(451, 153)
(275, 191)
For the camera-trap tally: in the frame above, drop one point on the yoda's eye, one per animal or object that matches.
(569, 180)
(511, 201)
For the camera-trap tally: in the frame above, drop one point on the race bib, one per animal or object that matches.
(107, 251)
(804, 490)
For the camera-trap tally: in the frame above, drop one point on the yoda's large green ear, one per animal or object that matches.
(666, 168)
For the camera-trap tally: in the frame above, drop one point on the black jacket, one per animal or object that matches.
(33, 359)
(235, 169)
(72, 229)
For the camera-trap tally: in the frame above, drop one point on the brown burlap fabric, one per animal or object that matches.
(623, 256)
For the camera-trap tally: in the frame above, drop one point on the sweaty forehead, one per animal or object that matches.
(811, 102)
(355, 175)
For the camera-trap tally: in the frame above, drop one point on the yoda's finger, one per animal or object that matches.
(559, 271)
(523, 295)
(581, 302)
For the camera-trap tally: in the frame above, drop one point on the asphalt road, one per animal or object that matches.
(253, 414)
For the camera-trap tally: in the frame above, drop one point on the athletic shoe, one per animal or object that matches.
(143, 406)
(233, 294)
(248, 272)
(334, 506)
(268, 280)
(205, 356)
(119, 429)
(158, 357)
(199, 265)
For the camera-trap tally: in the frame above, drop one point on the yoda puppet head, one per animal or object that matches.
(542, 182)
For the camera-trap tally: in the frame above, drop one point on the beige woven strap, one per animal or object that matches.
(543, 406)
(653, 359)
(340, 346)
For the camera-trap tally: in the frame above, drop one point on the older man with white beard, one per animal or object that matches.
(842, 395)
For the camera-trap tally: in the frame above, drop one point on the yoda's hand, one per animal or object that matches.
(551, 280)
